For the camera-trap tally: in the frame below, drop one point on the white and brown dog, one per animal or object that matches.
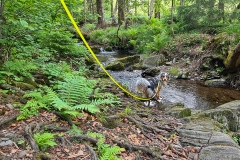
(150, 87)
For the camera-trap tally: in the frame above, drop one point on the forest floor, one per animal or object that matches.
(141, 132)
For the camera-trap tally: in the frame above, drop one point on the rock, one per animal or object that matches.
(115, 66)
(194, 137)
(219, 153)
(215, 82)
(5, 142)
(129, 60)
(154, 61)
(226, 114)
(22, 154)
(219, 138)
(185, 113)
(122, 63)
(175, 72)
(179, 111)
(150, 72)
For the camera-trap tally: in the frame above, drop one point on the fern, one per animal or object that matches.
(44, 140)
(106, 151)
(37, 101)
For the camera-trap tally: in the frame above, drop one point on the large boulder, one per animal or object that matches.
(154, 61)
(115, 66)
(122, 63)
(227, 114)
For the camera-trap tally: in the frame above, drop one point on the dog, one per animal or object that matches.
(150, 87)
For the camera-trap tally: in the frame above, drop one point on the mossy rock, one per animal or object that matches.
(89, 60)
(108, 48)
(154, 61)
(129, 60)
(185, 113)
(115, 66)
(24, 86)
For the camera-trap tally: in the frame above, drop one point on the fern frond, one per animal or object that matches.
(75, 90)
(87, 107)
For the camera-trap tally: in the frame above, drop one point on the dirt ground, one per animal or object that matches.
(141, 132)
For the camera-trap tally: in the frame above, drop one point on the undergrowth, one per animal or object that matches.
(106, 151)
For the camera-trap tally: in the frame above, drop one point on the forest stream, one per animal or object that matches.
(190, 93)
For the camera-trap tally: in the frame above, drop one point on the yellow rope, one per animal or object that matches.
(94, 56)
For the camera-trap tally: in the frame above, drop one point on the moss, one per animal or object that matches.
(24, 86)
(115, 66)
(185, 113)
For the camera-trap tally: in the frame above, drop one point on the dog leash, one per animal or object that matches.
(155, 92)
(95, 57)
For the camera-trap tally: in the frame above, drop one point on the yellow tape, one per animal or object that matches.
(94, 56)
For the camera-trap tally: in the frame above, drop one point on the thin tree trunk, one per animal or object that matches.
(151, 9)
(121, 9)
(181, 2)
(2, 21)
(85, 11)
(221, 7)
(172, 23)
(100, 13)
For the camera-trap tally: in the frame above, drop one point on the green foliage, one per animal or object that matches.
(174, 71)
(106, 151)
(44, 140)
(61, 42)
(37, 100)
(75, 130)
(88, 27)
(21, 67)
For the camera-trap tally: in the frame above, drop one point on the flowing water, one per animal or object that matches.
(190, 93)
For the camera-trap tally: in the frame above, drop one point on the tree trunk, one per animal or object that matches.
(181, 2)
(2, 21)
(121, 9)
(157, 6)
(221, 7)
(172, 23)
(113, 12)
(100, 13)
(233, 60)
(151, 9)
(85, 11)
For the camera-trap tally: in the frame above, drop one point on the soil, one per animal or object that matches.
(141, 132)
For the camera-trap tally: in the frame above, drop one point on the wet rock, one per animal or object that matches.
(179, 73)
(129, 60)
(115, 66)
(215, 82)
(154, 61)
(121, 63)
(219, 153)
(151, 72)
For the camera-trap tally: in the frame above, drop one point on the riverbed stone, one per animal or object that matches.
(154, 61)
(115, 66)
(215, 82)
(219, 153)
